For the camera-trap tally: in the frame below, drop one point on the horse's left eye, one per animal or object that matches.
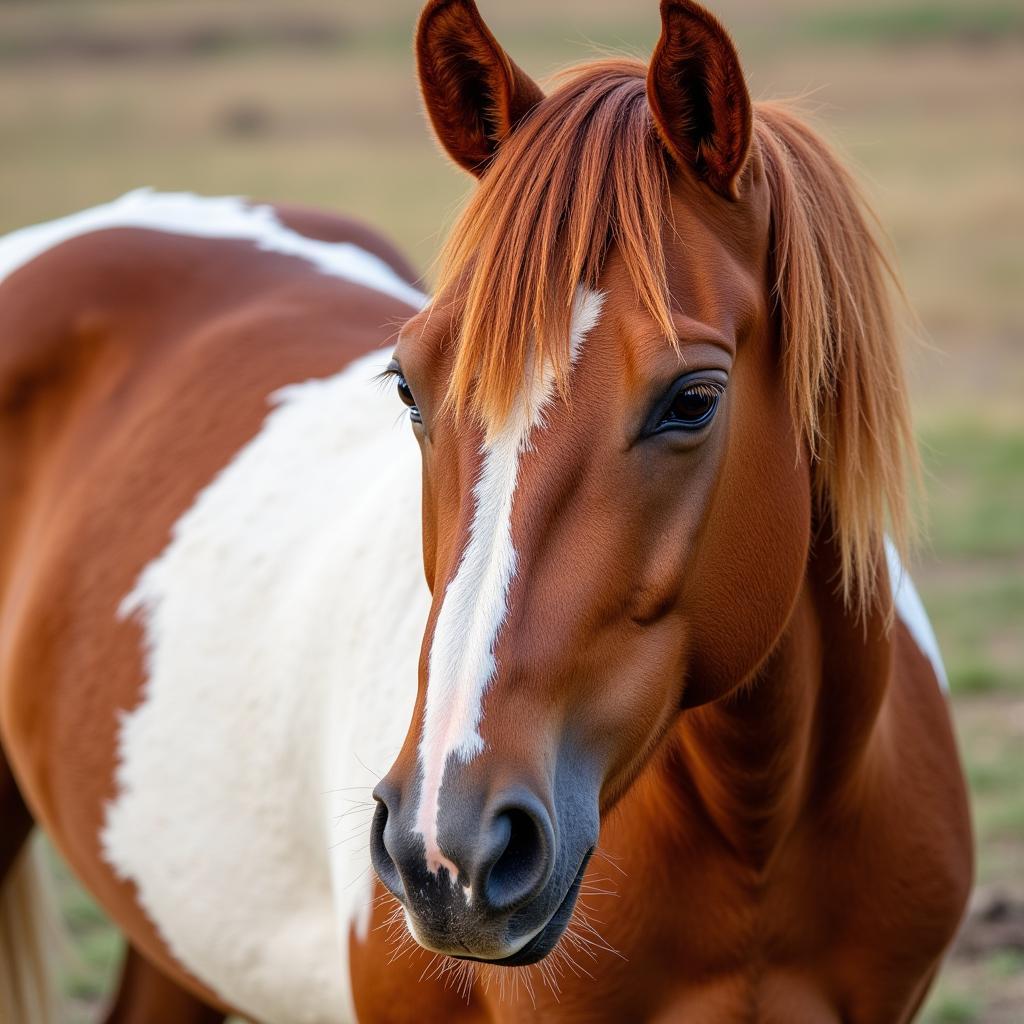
(406, 395)
(692, 407)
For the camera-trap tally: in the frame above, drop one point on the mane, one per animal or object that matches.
(561, 191)
(840, 347)
(591, 174)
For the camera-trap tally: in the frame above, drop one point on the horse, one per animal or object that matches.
(604, 696)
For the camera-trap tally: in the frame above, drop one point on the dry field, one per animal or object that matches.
(316, 102)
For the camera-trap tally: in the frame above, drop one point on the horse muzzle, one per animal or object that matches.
(511, 865)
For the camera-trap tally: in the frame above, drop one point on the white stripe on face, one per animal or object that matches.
(462, 663)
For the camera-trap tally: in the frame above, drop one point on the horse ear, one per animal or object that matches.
(474, 93)
(697, 94)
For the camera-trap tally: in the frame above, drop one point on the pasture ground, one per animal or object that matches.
(316, 102)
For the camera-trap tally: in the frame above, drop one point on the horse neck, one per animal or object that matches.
(798, 736)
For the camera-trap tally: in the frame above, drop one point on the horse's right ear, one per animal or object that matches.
(474, 93)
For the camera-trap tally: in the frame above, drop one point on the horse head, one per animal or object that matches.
(640, 389)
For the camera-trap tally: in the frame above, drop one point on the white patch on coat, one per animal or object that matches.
(182, 213)
(282, 630)
(475, 604)
(911, 611)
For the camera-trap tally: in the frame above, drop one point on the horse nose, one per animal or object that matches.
(503, 856)
(510, 859)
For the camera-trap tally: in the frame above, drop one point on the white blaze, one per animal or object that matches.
(462, 662)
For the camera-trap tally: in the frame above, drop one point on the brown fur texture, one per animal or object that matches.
(698, 97)
(475, 95)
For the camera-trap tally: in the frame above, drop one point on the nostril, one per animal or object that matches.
(383, 863)
(521, 866)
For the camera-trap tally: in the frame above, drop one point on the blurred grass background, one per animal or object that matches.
(316, 102)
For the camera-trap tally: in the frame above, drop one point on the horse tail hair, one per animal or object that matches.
(30, 938)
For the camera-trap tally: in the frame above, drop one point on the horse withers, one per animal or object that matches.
(678, 748)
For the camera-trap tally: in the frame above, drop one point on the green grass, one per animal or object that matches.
(978, 617)
(972, 579)
(995, 768)
(976, 500)
(1007, 964)
(970, 993)
(951, 1007)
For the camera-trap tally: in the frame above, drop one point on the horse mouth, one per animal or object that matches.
(547, 937)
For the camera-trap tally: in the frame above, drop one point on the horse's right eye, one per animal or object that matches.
(406, 395)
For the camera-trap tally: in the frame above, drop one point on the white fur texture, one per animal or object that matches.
(182, 213)
(475, 602)
(282, 630)
(282, 627)
(910, 609)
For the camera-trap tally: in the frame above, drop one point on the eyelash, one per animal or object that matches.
(704, 389)
(386, 376)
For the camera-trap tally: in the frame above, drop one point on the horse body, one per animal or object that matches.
(161, 420)
(659, 416)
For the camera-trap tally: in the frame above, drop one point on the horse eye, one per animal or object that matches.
(693, 406)
(406, 395)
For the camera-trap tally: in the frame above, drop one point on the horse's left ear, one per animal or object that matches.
(474, 93)
(699, 99)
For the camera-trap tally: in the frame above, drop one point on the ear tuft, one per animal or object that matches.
(474, 94)
(698, 96)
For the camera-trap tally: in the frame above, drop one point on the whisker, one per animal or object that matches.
(611, 860)
(366, 767)
(430, 964)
